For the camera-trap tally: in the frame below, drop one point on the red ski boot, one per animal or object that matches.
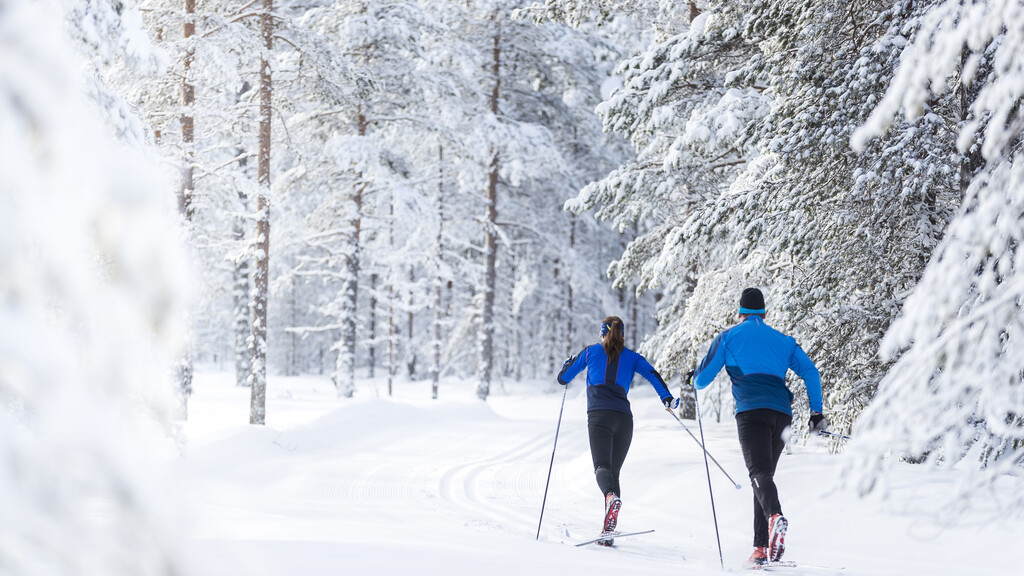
(759, 557)
(777, 526)
(611, 517)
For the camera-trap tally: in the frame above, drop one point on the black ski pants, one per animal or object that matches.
(611, 433)
(761, 439)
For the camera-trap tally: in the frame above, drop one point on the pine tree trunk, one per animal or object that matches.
(293, 345)
(687, 403)
(569, 328)
(635, 330)
(435, 368)
(551, 361)
(490, 246)
(242, 315)
(517, 328)
(186, 185)
(345, 370)
(261, 277)
(392, 361)
(410, 350)
(188, 98)
(373, 326)
(240, 288)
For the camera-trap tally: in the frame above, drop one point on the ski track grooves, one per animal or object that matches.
(482, 480)
(501, 490)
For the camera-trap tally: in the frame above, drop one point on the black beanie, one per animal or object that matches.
(752, 302)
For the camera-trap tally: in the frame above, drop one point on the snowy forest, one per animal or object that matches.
(427, 191)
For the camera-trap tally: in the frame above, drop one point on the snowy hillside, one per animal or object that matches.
(408, 485)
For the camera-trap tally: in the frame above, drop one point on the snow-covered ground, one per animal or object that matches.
(408, 485)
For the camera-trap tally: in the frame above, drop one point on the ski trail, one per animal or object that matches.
(376, 482)
(491, 480)
(502, 491)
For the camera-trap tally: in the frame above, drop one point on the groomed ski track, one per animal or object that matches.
(458, 484)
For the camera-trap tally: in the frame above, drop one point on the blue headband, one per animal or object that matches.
(606, 327)
(751, 311)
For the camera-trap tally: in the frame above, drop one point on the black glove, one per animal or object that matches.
(688, 379)
(564, 365)
(670, 403)
(817, 422)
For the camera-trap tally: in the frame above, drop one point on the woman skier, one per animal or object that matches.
(610, 370)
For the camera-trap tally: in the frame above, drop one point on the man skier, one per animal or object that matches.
(757, 357)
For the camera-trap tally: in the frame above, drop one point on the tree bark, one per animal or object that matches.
(373, 326)
(188, 98)
(345, 370)
(186, 185)
(552, 362)
(490, 243)
(435, 368)
(569, 328)
(515, 311)
(241, 289)
(392, 361)
(242, 316)
(635, 330)
(261, 277)
(410, 350)
(293, 344)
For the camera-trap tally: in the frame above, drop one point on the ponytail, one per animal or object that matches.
(613, 337)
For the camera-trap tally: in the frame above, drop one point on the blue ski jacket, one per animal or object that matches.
(757, 357)
(608, 382)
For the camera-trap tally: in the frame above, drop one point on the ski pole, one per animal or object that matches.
(824, 433)
(701, 444)
(552, 465)
(707, 469)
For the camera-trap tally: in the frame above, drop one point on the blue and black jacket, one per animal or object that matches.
(757, 357)
(608, 382)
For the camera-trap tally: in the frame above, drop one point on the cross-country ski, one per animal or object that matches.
(774, 565)
(796, 568)
(609, 536)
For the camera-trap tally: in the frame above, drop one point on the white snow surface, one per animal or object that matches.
(409, 485)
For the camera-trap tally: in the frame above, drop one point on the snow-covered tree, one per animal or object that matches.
(91, 312)
(383, 147)
(357, 135)
(954, 393)
(745, 176)
(838, 237)
(688, 118)
(202, 113)
(538, 79)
